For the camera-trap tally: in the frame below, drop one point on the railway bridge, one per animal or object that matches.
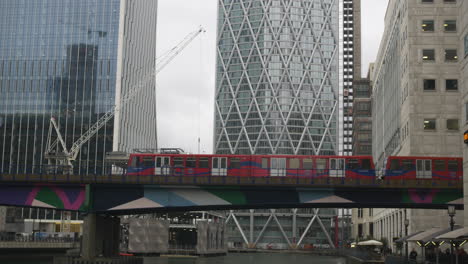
(119, 194)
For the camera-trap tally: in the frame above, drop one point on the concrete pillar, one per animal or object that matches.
(100, 236)
(3, 212)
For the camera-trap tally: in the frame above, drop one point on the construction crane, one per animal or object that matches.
(65, 157)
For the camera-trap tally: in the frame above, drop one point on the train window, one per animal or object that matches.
(439, 165)
(134, 162)
(352, 164)
(179, 162)
(235, 163)
(307, 164)
(203, 163)
(321, 164)
(191, 163)
(158, 162)
(366, 164)
(394, 164)
(452, 165)
(407, 165)
(264, 163)
(223, 163)
(148, 162)
(294, 163)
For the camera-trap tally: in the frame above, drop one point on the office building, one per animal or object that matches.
(362, 118)
(463, 46)
(416, 98)
(281, 71)
(277, 81)
(74, 60)
(351, 63)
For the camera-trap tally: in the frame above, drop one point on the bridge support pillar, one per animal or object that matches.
(100, 237)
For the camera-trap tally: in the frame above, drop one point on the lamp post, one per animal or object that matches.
(406, 234)
(451, 213)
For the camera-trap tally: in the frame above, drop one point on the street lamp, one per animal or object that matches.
(406, 234)
(451, 213)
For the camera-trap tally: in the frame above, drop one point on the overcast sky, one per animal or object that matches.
(185, 88)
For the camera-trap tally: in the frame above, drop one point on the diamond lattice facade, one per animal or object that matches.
(277, 84)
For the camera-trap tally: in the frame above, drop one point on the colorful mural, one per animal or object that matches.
(127, 198)
(63, 197)
(118, 198)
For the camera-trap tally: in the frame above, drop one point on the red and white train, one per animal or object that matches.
(352, 167)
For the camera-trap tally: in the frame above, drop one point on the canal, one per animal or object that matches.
(236, 258)
(252, 258)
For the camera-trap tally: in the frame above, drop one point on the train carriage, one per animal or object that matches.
(440, 168)
(252, 165)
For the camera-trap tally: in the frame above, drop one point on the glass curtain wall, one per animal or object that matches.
(57, 58)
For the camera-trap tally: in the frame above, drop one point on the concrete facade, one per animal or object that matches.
(416, 100)
(463, 48)
(148, 235)
(211, 238)
(362, 118)
(363, 226)
(351, 70)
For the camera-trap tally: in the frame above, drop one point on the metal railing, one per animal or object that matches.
(34, 238)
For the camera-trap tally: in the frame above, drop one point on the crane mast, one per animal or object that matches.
(65, 157)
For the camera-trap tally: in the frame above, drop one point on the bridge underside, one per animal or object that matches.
(114, 200)
(140, 198)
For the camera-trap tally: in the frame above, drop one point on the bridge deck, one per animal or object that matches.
(231, 181)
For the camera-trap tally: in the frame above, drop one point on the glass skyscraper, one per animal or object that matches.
(74, 60)
(277, 83)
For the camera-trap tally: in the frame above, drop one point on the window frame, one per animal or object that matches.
(428, 22)
(426, 81)
(446, 25)
(451, 80)
(428, 59)
(457, 124)
(446, 54)
(427, 121)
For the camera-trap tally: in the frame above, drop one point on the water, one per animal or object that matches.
(238, 258)
(251, 258)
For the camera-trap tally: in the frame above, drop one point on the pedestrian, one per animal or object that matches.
(413, 255)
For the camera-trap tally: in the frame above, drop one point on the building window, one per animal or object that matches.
(466, 45)
(427, 25)
(451, 55)
(450, 1)
(452, 124)
(360, 213)
(428, 55)
(450, 25)
(451, 85)
(466, 113)
(429, 124)
(429, 85)
(427, 1)
(360, 230)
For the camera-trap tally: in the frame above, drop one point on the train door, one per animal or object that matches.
(163, 166)
(278, 167)
(219, 166)
(337, 168)
(423, 169)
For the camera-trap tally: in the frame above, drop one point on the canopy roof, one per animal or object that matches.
(461, 233)
(431, 234)
(370, 243)
(403, 239)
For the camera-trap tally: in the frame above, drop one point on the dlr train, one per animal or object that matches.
(351, 167)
